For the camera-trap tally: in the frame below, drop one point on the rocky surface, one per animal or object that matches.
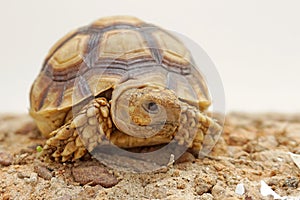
(252, 158)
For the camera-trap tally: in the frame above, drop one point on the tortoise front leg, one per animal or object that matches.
(196, 131)
(85, 131)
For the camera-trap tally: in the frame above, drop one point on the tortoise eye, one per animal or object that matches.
(151, 107)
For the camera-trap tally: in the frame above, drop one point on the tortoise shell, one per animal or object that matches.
(104, 54)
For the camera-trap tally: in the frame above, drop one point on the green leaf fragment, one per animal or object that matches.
(39, 149)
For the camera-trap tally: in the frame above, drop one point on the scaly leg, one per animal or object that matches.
(89, 127)
(196, 130)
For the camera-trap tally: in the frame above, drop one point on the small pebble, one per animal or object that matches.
(203, 183)
(65, 197)
(266, 190)
(43, 172)
(32, 178)
(181, 184)
(23, 175)
(206, 196)
(186, 157)
(218, 190)
(291, 182)
(94, 175)
(10, 171)
(240, 189)
(241, 137)
(6, 196)
(6, 159)
(268, 142)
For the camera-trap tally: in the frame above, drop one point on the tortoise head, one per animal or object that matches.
(144, 110)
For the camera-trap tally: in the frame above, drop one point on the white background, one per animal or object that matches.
(255, 44)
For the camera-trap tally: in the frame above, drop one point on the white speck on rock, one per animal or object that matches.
(240, 189)
(266, 190)
(280, 159)
(295, 158)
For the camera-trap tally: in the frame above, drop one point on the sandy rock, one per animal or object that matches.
(292, 182)
(203, 183)
(43, 172)
(186, 157)
(218, 190)
(93, 175)
(6, 196)
(240, 137)
(206, 196)
(6, 158)
(32, 178)
(268, 142)
(273, 156)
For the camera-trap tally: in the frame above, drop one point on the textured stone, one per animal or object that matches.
(6, 158)
(93, 175)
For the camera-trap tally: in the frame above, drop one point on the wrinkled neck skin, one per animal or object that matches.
(145, 110)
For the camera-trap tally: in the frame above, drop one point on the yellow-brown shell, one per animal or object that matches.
(108, 49)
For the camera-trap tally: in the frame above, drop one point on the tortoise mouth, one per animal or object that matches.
(163, 129)
(125, 141)
(167, 128)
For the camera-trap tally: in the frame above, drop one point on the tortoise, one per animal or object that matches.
(120, 80)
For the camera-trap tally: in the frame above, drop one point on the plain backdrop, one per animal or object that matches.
(255, 44)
